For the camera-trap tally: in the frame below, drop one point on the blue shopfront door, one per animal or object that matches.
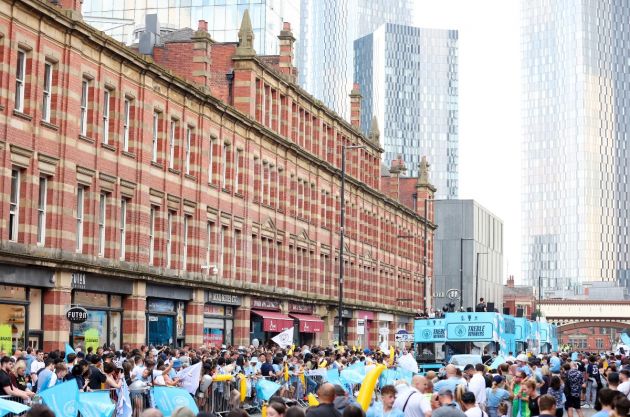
(161, 330)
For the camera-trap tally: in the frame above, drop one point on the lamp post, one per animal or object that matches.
(477, 276)
(461, 270)
(342, 223)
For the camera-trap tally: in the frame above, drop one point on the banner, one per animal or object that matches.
(91, 338)
(62, 399)
(189, 377)
(167, 399)
(13, 407)
(332, 376)
(96, 404)
(285, 338)
(6, 339)
(350, 376)
(408, 362)
(123, 406)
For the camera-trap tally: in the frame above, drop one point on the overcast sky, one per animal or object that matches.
(489, 107)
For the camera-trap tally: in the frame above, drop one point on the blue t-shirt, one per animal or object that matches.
(494, 397)
(450, 384)
(602, 413)
(376, 410)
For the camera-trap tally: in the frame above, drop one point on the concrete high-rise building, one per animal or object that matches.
(575, 153)
(124, 19)
(468, 254)
(328, 30)
(408, 78)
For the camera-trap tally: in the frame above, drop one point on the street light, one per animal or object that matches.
(342, 223)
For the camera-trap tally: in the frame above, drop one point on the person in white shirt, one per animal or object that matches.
(136, 372)
(37, 364)
(471, 406)
(413, 403)
(624, 385)
(477, 385)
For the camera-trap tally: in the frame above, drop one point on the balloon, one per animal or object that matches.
(312, 401)
(263, 410)
(243, 387)
(367, 387)
(392, 352)
(302, 379)
(286, 372)
(323, 364)
(222, 378)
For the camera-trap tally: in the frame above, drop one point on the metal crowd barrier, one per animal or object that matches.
(16, 399)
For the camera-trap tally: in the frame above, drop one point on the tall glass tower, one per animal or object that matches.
(408, 78)
(124, 19)
(575, 153)
(329, 28)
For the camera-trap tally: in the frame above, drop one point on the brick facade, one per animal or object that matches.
(218, 177)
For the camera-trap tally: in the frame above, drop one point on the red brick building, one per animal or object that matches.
(191, 196)
(519, 300)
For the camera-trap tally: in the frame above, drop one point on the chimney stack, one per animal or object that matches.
(202, 26)
(286, 51)
(355, 106)
(510, 281)
(71, 7)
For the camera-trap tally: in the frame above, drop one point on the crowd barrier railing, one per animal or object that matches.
(16, 399)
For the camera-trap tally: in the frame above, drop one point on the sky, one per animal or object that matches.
(489, 107)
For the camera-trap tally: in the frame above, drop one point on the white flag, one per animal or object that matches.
(189, 377)
(285, 338)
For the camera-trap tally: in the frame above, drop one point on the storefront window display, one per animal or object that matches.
(20, 315)
(103, 326)
(218, 323)
(165, 322)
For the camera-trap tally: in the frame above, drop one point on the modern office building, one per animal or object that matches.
(468, 254)
(575, 153)
(328, 30)
(124, 19)
(408, 80)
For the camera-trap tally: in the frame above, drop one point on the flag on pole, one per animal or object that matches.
(68, 349)
(62, 399)
(167, 399)
(189, 377)
(123, 406)
(285, 338)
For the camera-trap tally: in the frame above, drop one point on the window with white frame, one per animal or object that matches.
(208, 243)
(126, 124)
(187, 150)
(85, 90)
(47, 92)
(224, 163)
(187, 220)
(171, 144)
(237, 162)
(169, 237)
(102, 219)
(154, 141)
(221, 247)
(79, 218)
(106, 108)
(152, 234)
(14, 205)
(41, 210)
(211, 161)
(123, 228)
(20, 80)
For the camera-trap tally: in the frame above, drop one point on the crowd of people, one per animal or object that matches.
(521, 386)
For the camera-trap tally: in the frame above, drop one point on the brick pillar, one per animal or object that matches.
(241, 323)
(194, 318)
(355, 106)
(353, 337)
(286, 51)
(134, 329)
(56, 301)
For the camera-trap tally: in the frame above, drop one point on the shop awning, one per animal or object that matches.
(309, 323)
(273, 321)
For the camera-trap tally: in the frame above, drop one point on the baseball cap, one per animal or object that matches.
(521, 358)
(177, 363)
(497, 379)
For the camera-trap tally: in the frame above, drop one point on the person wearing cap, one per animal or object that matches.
(471, 405)
(444, 405)
(523, 364)
(496, 395)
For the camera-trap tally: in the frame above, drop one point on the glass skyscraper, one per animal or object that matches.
(408, 78)
(328, 30)
(124, 19)
(575, 148)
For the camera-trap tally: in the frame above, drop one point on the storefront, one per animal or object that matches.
(166, 314)
(102, 297)
(21, 307)
(218, 318)
(307, 325)
(346, 316)
(384, 322)
(267, 320)
(365, 324)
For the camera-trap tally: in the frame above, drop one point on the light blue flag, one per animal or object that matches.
(168, 399)
(574, 356)
(332, 376)
(265, 389)
(62, 399)
(496, 362)
(96, 404)
(388, 377)
(405, 374)
(13, 407)
(68, 349)
(350, 376)
(625, 338)
(358, 366)
(123, 407)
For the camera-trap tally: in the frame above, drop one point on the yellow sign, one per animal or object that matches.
(91, 337)
(6, 339)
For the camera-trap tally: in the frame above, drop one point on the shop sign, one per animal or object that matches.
(365, 315)
(265, 304)
(403, 336)
(92, 339)
(78, 280)
(161, 306)
(346, 313)
(91, 282)
(77, 315)
(6, 338)
(301, 308)
(221, 298)
(383, 331)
